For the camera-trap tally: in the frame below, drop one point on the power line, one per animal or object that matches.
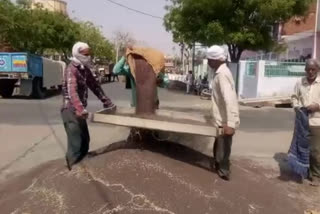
(134, 10)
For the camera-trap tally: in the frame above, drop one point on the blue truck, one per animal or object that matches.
(32, 74)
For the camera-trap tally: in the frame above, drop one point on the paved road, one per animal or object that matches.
(23, 111)
(32, 131)
(164, 178)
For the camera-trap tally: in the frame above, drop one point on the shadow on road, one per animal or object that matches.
(169, 149)
(285, 172)
(49, 94)
(194, 110)
(251, 119)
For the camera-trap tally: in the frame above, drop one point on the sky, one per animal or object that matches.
(149, 31)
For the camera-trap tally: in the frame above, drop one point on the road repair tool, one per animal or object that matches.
(162, 120)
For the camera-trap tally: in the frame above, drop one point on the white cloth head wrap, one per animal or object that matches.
(77, 57)
(216, 53)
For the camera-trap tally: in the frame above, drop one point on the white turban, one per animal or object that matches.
(77, 57)
(216, 53)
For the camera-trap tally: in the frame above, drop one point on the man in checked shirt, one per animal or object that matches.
(77, 79)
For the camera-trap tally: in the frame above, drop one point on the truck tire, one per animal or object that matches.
(7, 88)
(38, 91)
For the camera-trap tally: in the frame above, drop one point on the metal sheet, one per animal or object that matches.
(170, 121)
(35, 65)
(52, 73)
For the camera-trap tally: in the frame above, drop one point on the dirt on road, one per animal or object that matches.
(162, 178)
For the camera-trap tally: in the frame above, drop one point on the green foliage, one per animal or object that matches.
(100, 47)
(6, 20)
(40, 31)
(241, 24)
(24, 3)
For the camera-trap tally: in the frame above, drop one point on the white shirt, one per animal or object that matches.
(189, 79)
(306, 94)
(225, 107)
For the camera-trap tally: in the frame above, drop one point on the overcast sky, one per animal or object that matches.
(112, 18)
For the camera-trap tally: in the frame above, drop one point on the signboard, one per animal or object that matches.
(2, 62)
(5, 63)
(19, 63)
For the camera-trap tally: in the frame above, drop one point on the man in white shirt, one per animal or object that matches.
(225, 109)
(307, 94)
(189, 81)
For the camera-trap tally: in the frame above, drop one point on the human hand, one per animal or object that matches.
(228, 130)
(130, 47)
(313, 107)
(83, 115)
(296, 108)
(159, 81)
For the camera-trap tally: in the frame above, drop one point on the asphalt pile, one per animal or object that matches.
(157, 178)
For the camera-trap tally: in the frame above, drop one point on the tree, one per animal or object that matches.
(240, 24)
(121, 40)
(40, 31)
(24, 3)
(177, 61)
(37, 30)
(101, 48)
(6, 21)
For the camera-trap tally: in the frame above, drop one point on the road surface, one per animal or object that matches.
(163, 178)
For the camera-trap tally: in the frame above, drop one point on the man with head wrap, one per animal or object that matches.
(225, 109)
(76, 81)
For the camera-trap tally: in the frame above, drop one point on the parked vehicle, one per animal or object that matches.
(206, 94)
(101, 77)
(202, 88)
(33, 74)
(102, 74)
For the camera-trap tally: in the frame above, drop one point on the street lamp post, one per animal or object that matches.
(193, 57)
(315, 43)
(118, 46)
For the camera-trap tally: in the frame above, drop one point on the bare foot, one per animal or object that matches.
(314, 183)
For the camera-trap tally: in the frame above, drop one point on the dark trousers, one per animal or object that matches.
(115, 77)
(221, 153)
(315, 153)
(78, 136)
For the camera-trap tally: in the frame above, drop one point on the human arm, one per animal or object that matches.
(295, 98)
(119, 68)
(72, 93)
(231, 104)
(97, 90)
(162, 80)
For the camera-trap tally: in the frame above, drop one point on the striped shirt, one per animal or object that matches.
(76, 82)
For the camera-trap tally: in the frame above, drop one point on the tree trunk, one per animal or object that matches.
(187, 58)
(235, 52)
(182, 57)
(65, 56)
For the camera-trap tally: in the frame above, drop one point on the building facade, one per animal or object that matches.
(51, 5)
(300, 36)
